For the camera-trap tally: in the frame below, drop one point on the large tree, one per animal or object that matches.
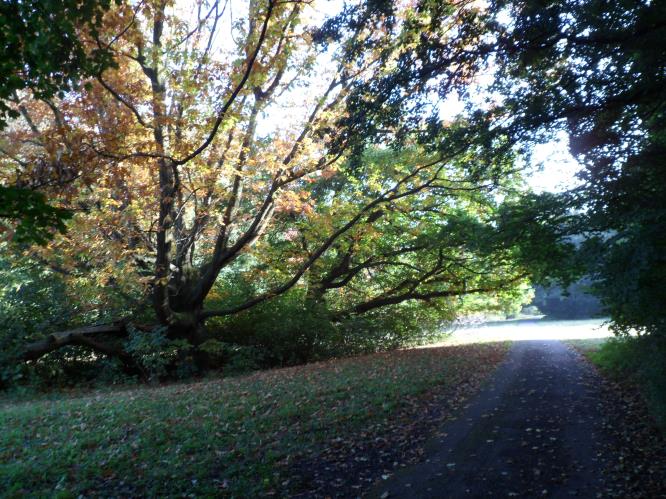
(202, 154)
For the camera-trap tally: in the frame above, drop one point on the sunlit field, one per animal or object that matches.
(530, 329)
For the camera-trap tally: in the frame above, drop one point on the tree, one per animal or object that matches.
(180, 177)
(596, 69)
(446, 242)
(41, 53)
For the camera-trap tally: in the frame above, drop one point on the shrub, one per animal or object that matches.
(34, 302)
(292, 330)
(155, 353)
(234, 359)
(30, 304)
(288, 330)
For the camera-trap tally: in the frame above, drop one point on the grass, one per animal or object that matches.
(640, 361)
(237, 437)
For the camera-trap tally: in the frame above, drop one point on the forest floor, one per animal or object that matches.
(473, 417)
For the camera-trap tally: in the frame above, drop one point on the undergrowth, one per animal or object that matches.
(639, 360)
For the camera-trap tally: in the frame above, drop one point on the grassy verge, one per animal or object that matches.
(638, 361)
(241, 437)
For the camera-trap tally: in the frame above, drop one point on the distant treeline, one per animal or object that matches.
(574, 302)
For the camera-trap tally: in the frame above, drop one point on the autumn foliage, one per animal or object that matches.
(226, 160)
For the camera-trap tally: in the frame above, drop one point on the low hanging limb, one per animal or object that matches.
(83, 336)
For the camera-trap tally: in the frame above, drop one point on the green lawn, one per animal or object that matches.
(239, 437)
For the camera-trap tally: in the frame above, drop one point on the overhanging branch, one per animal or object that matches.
(84, 336)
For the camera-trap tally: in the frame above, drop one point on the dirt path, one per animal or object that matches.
(533, 432)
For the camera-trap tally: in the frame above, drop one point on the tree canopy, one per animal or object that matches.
(43, 51)
(218, 162)
(596, 70)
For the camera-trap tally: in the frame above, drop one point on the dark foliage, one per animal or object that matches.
(573, 302)
(41, 50)
(596, 69)
(37, 219)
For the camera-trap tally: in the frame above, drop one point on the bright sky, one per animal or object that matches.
(552, 168)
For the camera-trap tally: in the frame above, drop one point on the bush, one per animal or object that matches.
(34, 302)
(155, 353)
(291, 330)
(407, 324)
(288, 330)
(234, 359)
(30, 304)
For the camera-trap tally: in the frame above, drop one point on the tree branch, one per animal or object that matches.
(234, 94)
(124, 102)
(80, 336)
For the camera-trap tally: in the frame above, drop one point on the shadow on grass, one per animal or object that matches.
(244, 436)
